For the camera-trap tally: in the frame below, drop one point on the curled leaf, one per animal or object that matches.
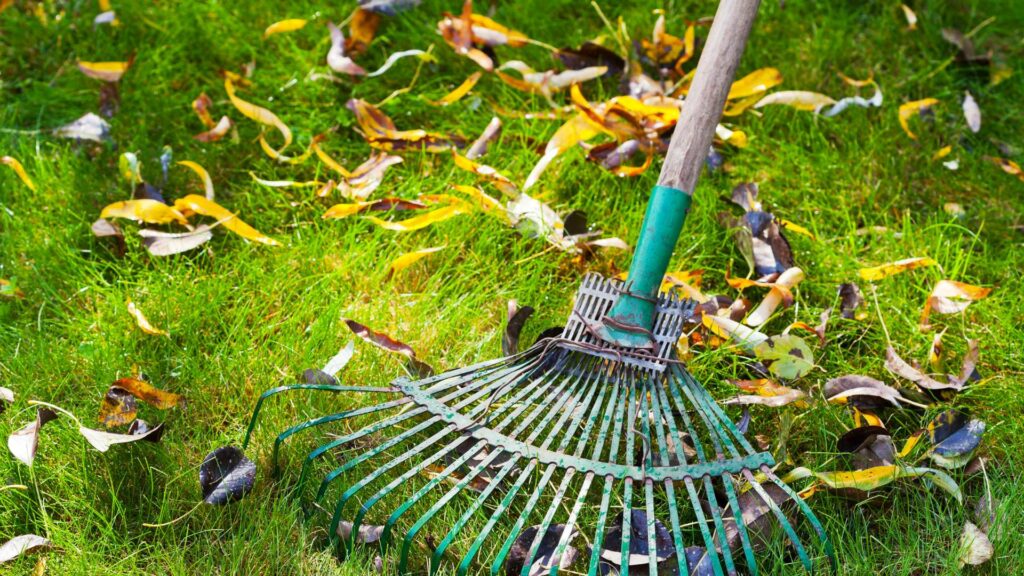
(207, 207)
(388, 343)
(118, 407)
(19, 545)
(423, 220)
(910, 108)
(779, 295)
(873, 478)
(954, 438)
(102, 441)
(975, 547)
(861, 392)
(203, 175)
(337, 60)
(899, 367)
(105, 71)
(517, 317)
(289, 25)
(886, 270)
(24, 441)
(972, 113)
(88, 127)
(263, 116)
(410, 258)
(19, 170)
(144, 210)
(142, 322)
(160, 243)
(545, 559)
(419, 54)
(950, 297)
(801, 100)
(150, 394)
(218, 131)
(461, 90)
(226, 475)
(479, 146)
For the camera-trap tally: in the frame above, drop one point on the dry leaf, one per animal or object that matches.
(263, 116)
(337, 60)
(145, 210)
(756, 82)
(910, 108)
(361, 30)
(218, 131)
(423, 220)
(160, 243)
(19, 545)
(461, 90)
(490, 133)
(950, 297)
(779, 294)
(379, 130)
(206, 207)
(19, 170)
(1008, 166)
(910, 16)
(143, 323)
(410, 258)
(801, 100)
(150, 394)
(388, 343)
(105, 71)
(203, 175)
(972, 113)
(88, 127)
(885, 270)
(290, 25)
(23, 442)
(102, 441)
(202, 105)
(976, 548)
(118, 408)
(419, 54)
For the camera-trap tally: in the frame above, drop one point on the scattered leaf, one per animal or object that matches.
(388, 343)
(954, 438)
(886, 270)
(19, 545)
(461, 90)
(379, 130)
(207, 207)
(203, 175)
(105, 71)
(899, 367)
(423, 220)
(799, 99)
(145, 210)
(368, 533)
(871, 447)
(19, 170)
(23, 442)
(388, 7)
(975, 547)
(910, 16)
(950, 297)
(160, 243)
(102, 441)
(789, 355)
(861, 392)
(218, 131)
(873, 478)
(150, 394)
(419, 54)
(362, 27)
(544, 561)
(590, 54)
(118, 407)
(1008, 166)
(142, 322)
(850, 301)
(778, 295)
(410, 258)
(88, 127)
(972, 113)
(517, 317)
(337, 60)
(289, 25)
(910, 108)
(263, 116)
(226, 475)
(639, 551)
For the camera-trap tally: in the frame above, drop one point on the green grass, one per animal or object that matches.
(245, 317)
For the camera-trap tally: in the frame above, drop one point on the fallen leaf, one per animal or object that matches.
(201, 105)
(419, 54)
(367, 534)
(226, 475)
(102, 441)
(145, 210)
(975, 547)
(8, 290)
(1008, 166)
(150, 394)
(201, 205)
(263, 116)
(972, 113)
(639, 547)
(874, 102)
(544, 560)
(899, 367)
(105, 71)
(289, 25)
(910, 108)
(756, 82)
(24, 441)
(479, 146)
(340, 360)
(19, 545)
(337, 60)
(728, 328)
(388, 7)
(160, 243)
(779, 398)
(118, 407)
(910, 16)
(789, 355)
(362, 27)
(950, 297)
(497, 179)
(461, 90)
(6, 397)
(799, 99)
(758, 517)
(88, 127)
(877, 477)
(19, 170)
(144, 324)
(203, 175)
(778, 295)
(410, 258)
(382, 340)
(517, 317)
(871, 447)
(861, 392)
(423, 220)
(850, 301)
(590, 54)
(380, 131)
(954, 437)
(217, 132)
(885, 270)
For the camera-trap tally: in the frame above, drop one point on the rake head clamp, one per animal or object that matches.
(604, 415)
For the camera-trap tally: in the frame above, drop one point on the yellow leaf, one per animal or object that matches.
(19, 170)
(206, 207)
(345, 210)
(423, 220)
(144, 210)
(406, 260)
(144, 324)
(499, 180)
(909, 109)
(203, 175)
(756, 82)
(879, 272)
(106, 71)
(942, 152)
(910, 16)
(485, 201)
(786, 224)
(951, 297)
(799, 99)
(461, 90)
(290, 25)
(263, 116)
(1008, 166)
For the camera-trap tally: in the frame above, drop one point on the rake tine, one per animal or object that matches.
(520, 480)
(566, 479)
(716, 411)
(627, 491)
(741, 528)
(290, 387)
(606, 493)
(648, 463)
(783, 520)
(709, 544)
(653, 390)
(808, 513)
(592, 384)
(716, 511)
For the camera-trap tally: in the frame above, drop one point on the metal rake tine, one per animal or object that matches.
(808, 513)
(716, 412)
(741, 527)
(783, 520)
(290, 387)
(652, 545)
(592, 384)
(627, 489)
(613, 453)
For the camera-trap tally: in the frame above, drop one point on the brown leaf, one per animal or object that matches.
(19, 545)
(382, 340)
(23, 442)
(899, 367)
(150, 394)
(118, 407)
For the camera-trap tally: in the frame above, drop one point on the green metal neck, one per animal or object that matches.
(631, 318)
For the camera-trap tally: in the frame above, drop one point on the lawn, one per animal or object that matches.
(244, 317)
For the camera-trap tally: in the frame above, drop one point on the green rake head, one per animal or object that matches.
(570, 433)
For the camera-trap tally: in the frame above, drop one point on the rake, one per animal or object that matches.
(604, 415)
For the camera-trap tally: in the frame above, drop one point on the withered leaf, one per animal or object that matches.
(899, 367)
(88, 127)
(862, 392)
(545, 558)
(160, 243)
(367, 534)
(976, 548)
(639, 551)
(851, 299)
(591, 54)
(23, 442)
(226, 475)
(388, 343)
(871, 446)
(517, 317)
(102, 441)
(118, 407)
(150, 394)
(19, 545)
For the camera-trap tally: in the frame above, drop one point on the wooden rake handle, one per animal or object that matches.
(631, 319)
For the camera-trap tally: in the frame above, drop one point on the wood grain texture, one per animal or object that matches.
(703, 105)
